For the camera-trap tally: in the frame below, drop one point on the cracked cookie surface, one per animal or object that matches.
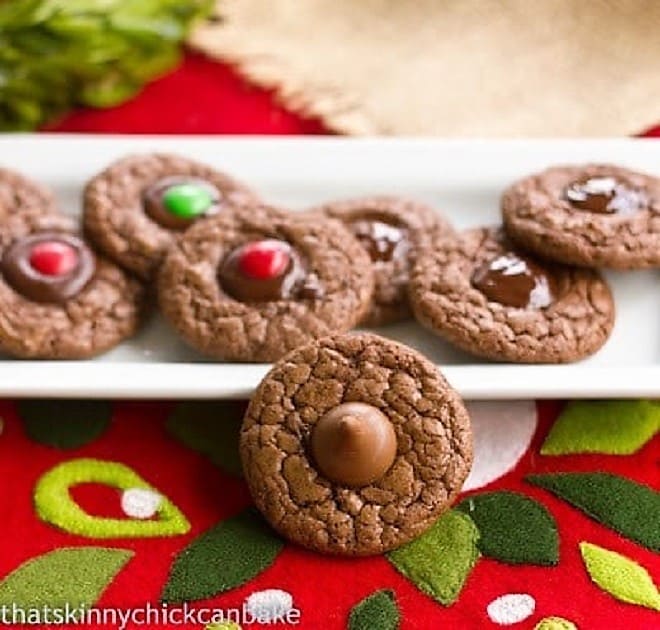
(23, 201)
(538, 217)
(576, 324)
(414, 220)
(193, 299)
(433, 457)
(106, 311)
(114, 217)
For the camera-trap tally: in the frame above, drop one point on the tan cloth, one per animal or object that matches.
(453, 67)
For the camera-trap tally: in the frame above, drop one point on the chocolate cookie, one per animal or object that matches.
(597, 215)
(480, 293)
(58, 300)
(390, 229)
(252, 285)
(354, 445)
(23, 201)
(135, 209)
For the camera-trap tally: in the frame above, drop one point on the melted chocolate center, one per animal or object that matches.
(48, 280)
(605, 195)
(515, 280)
(383, 241)
(153, 200)
(267, 271)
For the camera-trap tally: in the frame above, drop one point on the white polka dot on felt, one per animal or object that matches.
(269, 605)
(140, 502)
(503, 431)
(511, 608)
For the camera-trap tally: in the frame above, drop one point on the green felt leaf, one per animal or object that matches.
(555, 623)
(615, 427)
(55, 54)
(228, 555)
(513, 528)
(376, 612)
(65, 423)
(627, 507)
(440, 560)
(55, 505)
(619, 576)
(75, 576)
(212, 428)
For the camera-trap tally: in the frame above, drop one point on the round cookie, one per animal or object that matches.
(488, 298)
(137, 207)
(354, 445)
(390, 229)
(23, 202)
(596, 215)
(250, 286)
(58, 300)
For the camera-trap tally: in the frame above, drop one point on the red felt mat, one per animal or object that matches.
(126, 569)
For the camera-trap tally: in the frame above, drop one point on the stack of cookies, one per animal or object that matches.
(243, 281)
(240, 280)
(530, 291)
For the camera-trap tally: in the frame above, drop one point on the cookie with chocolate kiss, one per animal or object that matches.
(138, 206)
(252, 285)
(390, 229)
(596, 215)
(354, 445)
(58, 299)
(481, 293)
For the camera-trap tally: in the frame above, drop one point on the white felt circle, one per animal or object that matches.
(503, 431)
(511, 608)
(269, 605)
(140, 502)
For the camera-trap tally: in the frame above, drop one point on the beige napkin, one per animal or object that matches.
(451, 68)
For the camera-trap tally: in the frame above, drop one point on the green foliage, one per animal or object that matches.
(58, 53)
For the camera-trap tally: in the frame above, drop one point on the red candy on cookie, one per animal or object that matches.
(264, 260)
(53, 258)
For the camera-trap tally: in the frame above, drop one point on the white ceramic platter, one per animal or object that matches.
(463, 178)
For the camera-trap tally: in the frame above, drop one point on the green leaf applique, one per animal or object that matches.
(614, 427)
(212, 428)
(513, 528)
(227, 555)
(627, 507)
(55, 505)
(619, 576)
(65, 424)
(378, 611)
(440, 560)
(75, 576)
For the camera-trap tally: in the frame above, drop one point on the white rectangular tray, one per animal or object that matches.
(462, 178)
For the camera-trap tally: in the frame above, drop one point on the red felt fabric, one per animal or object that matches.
(204, 97)
(325, 589)
(199, 97)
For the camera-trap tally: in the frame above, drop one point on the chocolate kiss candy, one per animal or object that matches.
(353, 444)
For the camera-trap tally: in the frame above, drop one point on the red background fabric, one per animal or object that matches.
(199, 97)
